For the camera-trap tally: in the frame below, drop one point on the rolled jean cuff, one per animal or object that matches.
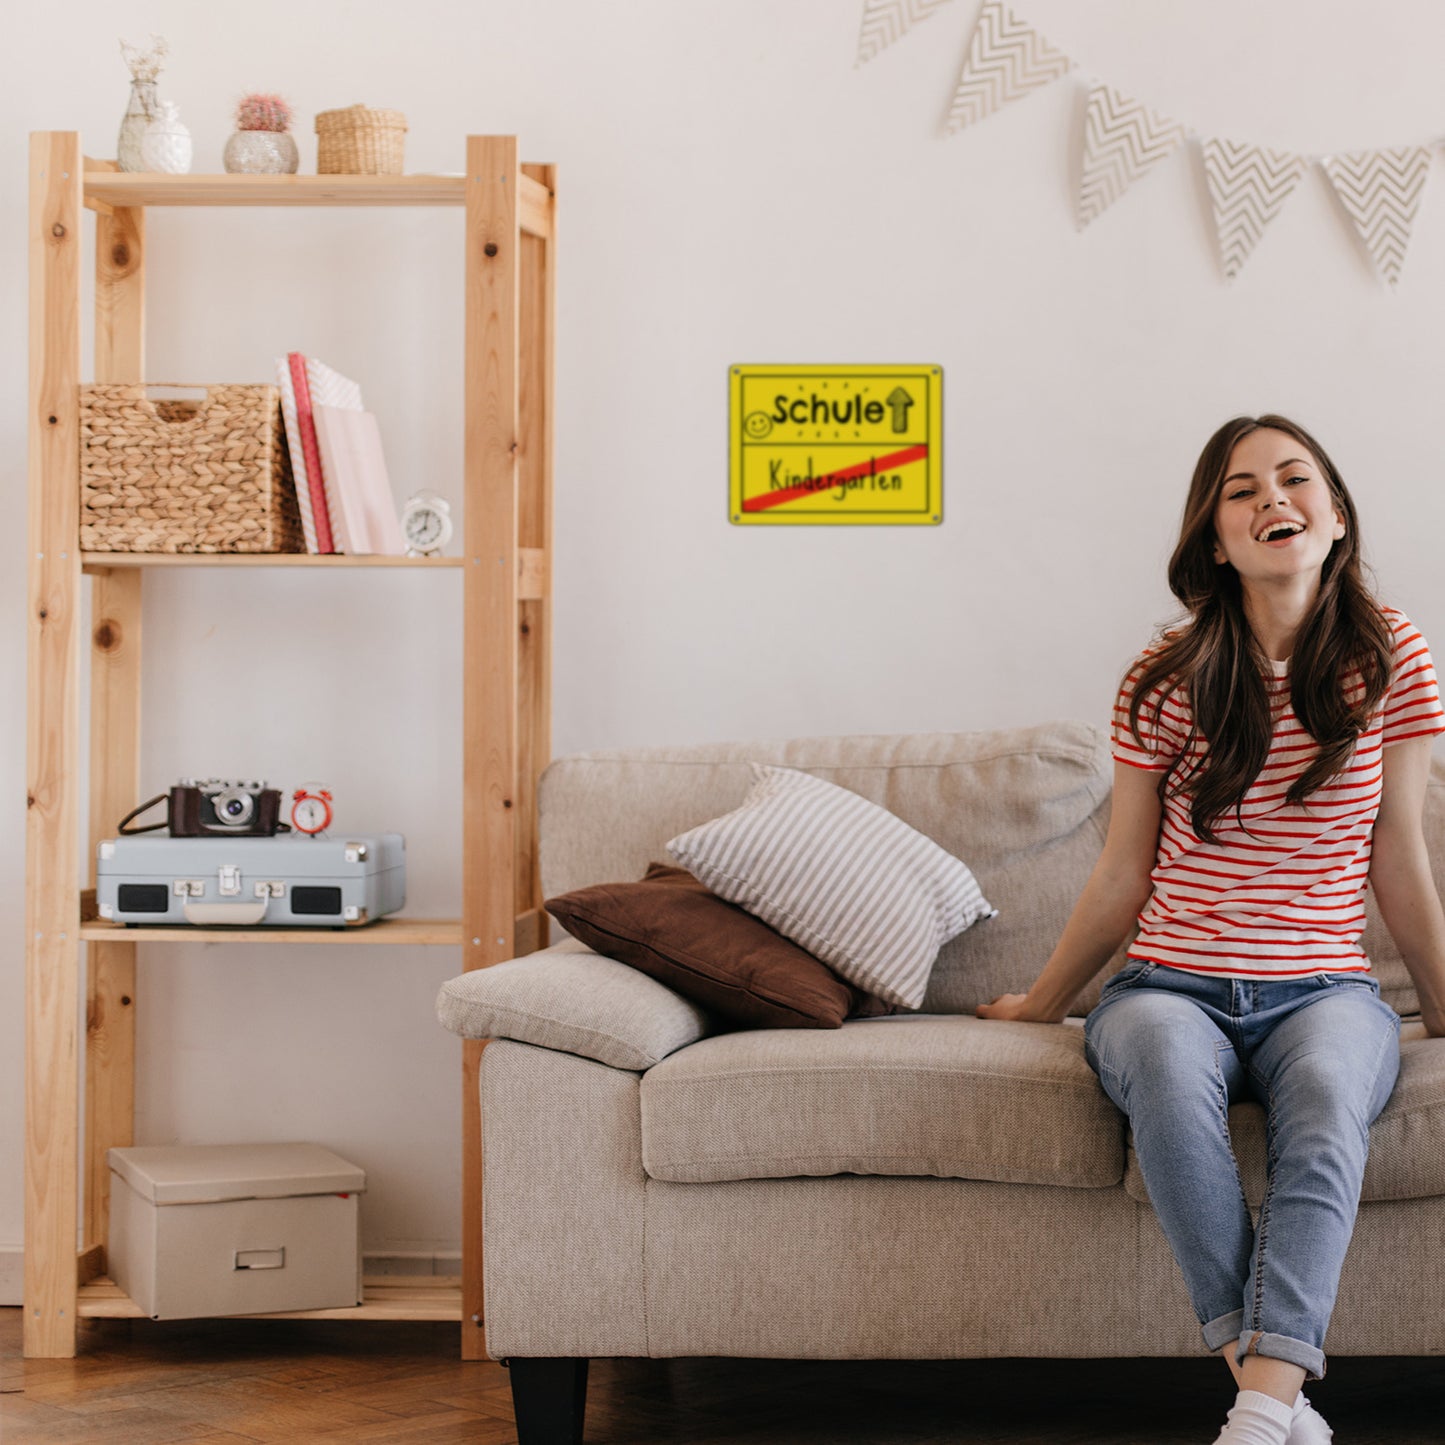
(1223, 1331)
(1281, 1347)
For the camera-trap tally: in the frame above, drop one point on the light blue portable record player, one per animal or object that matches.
(251, 882)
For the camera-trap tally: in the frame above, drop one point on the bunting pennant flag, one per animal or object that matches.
(1122, 140)
(1381, 190)
(885, 21)
(1248, 186)
(1006, 59)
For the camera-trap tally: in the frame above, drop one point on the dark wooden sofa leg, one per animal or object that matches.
(548, 1399)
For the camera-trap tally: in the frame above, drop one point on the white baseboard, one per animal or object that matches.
(12, 1274)
(12, 1268)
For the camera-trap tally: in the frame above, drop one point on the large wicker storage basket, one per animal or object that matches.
(359, 142)
(185, 476)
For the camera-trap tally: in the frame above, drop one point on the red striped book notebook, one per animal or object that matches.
(307, 383)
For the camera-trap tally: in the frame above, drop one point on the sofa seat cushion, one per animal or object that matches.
(1407, 1141)
(952, 1097)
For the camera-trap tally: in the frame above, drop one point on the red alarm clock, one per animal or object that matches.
(311, 809)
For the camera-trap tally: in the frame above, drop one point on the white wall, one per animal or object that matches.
(733, 189)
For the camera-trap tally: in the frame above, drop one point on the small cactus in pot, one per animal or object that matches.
(262, 143)
(260, 111)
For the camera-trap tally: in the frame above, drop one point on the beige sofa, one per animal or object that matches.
(918, 1186)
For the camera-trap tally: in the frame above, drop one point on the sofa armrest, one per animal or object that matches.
(575, 1001)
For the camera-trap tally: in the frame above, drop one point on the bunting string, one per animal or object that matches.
(1124, 139)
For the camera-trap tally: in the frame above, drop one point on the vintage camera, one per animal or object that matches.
(215, 806)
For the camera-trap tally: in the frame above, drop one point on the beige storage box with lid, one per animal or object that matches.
(235, 1229)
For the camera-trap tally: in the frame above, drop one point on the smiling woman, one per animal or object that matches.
(1271, 757)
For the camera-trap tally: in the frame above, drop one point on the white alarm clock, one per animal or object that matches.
(426, 524)
(311, 809)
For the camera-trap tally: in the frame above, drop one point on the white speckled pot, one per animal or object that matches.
(261, 152)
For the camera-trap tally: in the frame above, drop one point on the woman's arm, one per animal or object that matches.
(1112, 898)
(1400, 875)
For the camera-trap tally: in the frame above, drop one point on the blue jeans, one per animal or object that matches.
(1173, 1050)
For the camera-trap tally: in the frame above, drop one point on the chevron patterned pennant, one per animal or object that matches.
(1248, 186)
(1122, 140)
(885, 21)
(1381, 190)
(1006, 59)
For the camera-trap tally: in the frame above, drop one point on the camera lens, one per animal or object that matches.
(234, 807)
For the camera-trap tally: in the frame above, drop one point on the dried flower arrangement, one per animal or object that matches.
(144, 64)
(261, 111)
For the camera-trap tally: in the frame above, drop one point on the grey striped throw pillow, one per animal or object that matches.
(840, 876)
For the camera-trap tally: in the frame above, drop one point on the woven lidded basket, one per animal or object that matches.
(186, 476)
(359, 142)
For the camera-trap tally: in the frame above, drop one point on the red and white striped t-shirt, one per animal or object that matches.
(1285, 899)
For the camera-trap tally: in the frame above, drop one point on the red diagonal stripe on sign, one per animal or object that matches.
(831, 479)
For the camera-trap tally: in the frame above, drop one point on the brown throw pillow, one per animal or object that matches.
(670, 927)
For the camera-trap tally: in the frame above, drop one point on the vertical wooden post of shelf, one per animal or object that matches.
(52, 891)
(534, 527)
(115, 635)
(489, 730)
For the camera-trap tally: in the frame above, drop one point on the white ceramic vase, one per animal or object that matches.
(261, 152)
(166, 146)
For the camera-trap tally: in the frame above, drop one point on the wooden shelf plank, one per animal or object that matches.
(386, 1297)
(146, 188)
(99, 561)
(105, 188)
(532, 565)
(384, 930)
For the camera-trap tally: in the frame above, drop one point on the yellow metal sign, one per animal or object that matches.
(850, 444)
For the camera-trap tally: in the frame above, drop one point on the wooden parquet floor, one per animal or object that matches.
(139, 1383)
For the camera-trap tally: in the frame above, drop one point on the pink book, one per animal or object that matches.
(363, 509)
(306, 425)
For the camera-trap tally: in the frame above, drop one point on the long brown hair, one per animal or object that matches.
(1219, 663)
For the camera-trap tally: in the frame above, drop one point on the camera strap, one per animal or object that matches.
(145, 807)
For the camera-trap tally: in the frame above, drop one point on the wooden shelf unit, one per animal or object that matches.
(509, 269)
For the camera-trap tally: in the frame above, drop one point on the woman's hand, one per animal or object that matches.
(1117, 889)
(1402, 882)
(1012, 1006)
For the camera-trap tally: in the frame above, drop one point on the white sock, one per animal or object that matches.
(1257, 1419)
(1307, 1425)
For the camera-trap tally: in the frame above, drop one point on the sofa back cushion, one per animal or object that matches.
(1025, 808)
